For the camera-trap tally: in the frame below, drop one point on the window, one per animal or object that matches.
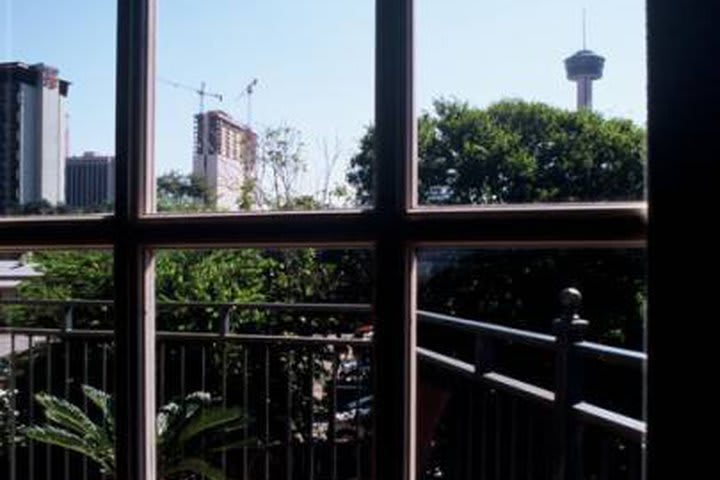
(396, 227)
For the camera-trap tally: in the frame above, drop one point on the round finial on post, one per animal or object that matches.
(570, 323)
(571, 299)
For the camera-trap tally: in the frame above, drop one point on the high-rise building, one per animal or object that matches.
(90, 181)
(32, 134)
(224, 155)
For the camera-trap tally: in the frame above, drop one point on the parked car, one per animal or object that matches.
(355, 419)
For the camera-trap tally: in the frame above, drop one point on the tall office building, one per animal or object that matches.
(90, 181)
(32, 135)
(224, 155)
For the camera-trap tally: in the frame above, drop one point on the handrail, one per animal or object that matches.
(483, 328)
(193, 336)
(275, 306)
(618, 356)
(593, 350)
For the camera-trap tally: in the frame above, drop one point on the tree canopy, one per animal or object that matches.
(517, 152)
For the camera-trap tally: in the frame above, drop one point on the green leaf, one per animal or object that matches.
(197, 466)
(103, 455)
(209, 419)
(66, 415)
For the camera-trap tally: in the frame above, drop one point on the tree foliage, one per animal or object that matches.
(517, 152)
(521, 152)
(177, 192)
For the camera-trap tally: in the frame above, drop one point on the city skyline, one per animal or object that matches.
(325, 88)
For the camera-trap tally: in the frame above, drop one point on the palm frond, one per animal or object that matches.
(104, 455)
(197, 466)
(66, 415)
(209, 419)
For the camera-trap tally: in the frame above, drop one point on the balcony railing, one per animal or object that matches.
(503, 426)
(308, 393)
(307, 396)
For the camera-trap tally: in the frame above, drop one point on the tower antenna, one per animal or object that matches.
(584, 67)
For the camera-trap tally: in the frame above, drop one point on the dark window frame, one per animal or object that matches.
(681, 87)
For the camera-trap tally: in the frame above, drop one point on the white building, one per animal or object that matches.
(32, 135)
(224, 155)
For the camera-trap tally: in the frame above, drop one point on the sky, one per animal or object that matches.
(314, 63)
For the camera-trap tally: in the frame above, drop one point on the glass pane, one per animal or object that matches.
(57, 107)
(56, 364)
(261, 107)
(278, 345)
(517, 105)
(464, 297)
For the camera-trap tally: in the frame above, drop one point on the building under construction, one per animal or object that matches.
(224, 155)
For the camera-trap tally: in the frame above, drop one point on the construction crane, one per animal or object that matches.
(204, 141)
(247, 92)
(201, 92)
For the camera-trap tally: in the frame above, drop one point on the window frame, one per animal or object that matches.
(397, 226)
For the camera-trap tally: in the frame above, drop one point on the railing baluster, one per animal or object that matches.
(182, 371)
(530, 463)
(289, 412)
(498, 436)
(31, 404)
(49, 389)
(311, 415)
(569, 329)
(104, 374)
(86, 381)
(267, 412)
(13, 408)
(162, 353)
(485, 444)
(358, 396)
(485, 354)
(513, 437)
(67, 327)
(332, 434)
(245, 394)
(224, 330)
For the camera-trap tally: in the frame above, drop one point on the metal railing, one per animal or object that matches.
(303, 393)
(568, 422)
(308, 419)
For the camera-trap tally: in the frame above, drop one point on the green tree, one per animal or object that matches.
(177, 192)
(517, 152)
(521, 152)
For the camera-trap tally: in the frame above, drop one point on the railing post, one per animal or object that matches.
(569, 329)
(225, 318)
(68, 322)
(224, 330)
(479, 444)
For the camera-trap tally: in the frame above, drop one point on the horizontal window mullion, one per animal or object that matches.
(601, 223)
(66, 232)
(282, 229)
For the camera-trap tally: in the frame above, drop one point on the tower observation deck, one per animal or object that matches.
(584, 67)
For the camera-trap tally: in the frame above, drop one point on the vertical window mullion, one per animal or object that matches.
(133, 269)
(394, 442)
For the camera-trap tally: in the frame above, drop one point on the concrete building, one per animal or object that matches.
(90, 181)
(32, 135)
(224, 155)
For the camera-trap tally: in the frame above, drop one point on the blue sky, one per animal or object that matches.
(314, 62)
